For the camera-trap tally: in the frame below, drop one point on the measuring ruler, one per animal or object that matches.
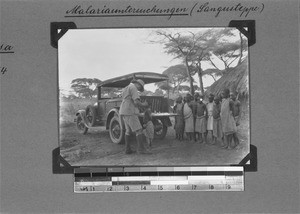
(164, 179)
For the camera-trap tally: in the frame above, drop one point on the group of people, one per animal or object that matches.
(218, 118)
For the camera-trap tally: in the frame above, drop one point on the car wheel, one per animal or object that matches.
(115, 130)
(82, 129)
(90, 115)
(160, 130)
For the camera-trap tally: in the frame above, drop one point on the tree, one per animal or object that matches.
(182, 46)
(158, 92)
(213, 72)
(228, 49)
(195, 48)
(187, 88)
(110, 92)
(177, 75)
(85, 87)
(164, 86)
(191, 48)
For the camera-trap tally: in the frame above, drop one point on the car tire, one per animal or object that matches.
(116, 132)
(91, 115)
(82, 129)
(161, 133)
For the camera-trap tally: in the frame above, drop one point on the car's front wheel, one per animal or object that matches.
(160, 130)
(91, 115)
(115, 130)
(82, 129)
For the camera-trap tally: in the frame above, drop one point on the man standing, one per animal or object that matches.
(129, 113)
(236, 108)
(200, 125)
(217, 125)
(227, 120)
(236, 114)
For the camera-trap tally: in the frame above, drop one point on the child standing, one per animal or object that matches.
(179, 120)
(148, 127)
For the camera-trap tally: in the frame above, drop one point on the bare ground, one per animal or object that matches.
(96, 149)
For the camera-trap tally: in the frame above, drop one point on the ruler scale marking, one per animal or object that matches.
(157, 179)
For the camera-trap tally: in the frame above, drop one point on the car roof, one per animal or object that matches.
(123, 81)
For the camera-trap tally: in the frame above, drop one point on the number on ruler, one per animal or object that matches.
(211, 186)
(228, 186)
(143, 188)
(84, 189)
(92, 188)
(160, 187)
(194, 187)
(177, 187)
(126, 188)
(109, 188)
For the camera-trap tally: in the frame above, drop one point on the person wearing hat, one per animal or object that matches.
(129, 112)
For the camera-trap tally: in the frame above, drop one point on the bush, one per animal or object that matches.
(68, 109)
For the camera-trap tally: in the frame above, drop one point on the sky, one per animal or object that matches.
(109, 53)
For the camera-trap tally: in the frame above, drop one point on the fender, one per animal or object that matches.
(82, 113)
(111, 114)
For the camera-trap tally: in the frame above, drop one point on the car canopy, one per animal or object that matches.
(123, 81)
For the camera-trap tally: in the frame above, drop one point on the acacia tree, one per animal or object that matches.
(195, 48)
(85, 87)
(182, 46)
(228, 50)
(164, 86)
(177, 75)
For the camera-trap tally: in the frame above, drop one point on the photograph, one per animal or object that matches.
(154, 96)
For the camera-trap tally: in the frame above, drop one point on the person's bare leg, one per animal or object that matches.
(230, 137)
(225, 145)
(204, 138)
(236, 139)
(214, 140)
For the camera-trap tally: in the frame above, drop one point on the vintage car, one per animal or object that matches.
(106, 111)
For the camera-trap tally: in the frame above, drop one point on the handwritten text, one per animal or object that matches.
(3, 70)
(6, 48)
(240, 9)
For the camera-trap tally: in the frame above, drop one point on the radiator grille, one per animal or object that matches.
(156, 103)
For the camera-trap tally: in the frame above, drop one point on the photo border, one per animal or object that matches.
(61, 166)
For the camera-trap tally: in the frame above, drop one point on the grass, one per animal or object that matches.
(69, 107)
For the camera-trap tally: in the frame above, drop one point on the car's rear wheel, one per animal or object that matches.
(115, 130)
(160, 130)
(82, 129)
(90, 115)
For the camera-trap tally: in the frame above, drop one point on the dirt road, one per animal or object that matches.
(96, 149)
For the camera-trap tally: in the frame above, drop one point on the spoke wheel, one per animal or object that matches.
(80, 125)
(90, 115)
(115, 130)
(160, 130)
